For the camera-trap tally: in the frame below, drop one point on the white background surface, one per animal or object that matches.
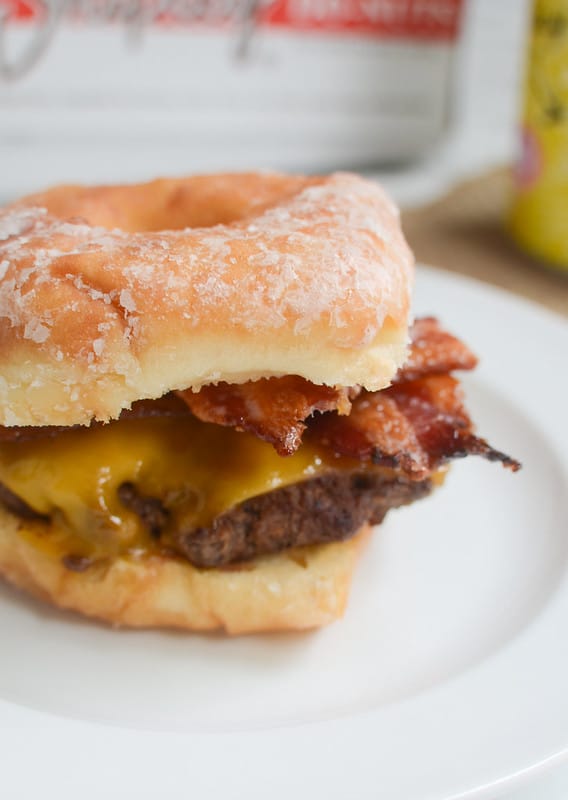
(77, 117)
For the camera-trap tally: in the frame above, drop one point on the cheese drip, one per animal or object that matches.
(197, 470)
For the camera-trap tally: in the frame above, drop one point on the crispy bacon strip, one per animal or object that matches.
(24, 434)
(274, 409)
(167, 406)
(412, 427)
(434, 351)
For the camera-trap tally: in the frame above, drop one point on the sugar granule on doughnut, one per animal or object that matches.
(196, 427)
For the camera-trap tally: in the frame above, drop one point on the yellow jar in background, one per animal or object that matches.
(539, 214)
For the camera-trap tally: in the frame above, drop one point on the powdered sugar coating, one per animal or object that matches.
(309, 268)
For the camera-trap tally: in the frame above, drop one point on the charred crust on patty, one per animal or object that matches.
(326, 509)
(13, 503)
(150, 510)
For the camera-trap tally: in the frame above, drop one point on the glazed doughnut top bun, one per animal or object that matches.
(124, 293)
(208, 390)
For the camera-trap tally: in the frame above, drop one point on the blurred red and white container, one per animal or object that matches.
(97, 90)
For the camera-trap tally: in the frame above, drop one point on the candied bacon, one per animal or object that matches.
(412, 427)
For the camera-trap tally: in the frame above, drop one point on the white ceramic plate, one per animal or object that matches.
(447, 677)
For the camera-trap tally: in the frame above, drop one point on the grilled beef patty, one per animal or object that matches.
(329, 508)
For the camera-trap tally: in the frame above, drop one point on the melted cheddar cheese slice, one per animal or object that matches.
(197, 470)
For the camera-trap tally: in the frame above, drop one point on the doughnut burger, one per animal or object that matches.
(208, 392)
